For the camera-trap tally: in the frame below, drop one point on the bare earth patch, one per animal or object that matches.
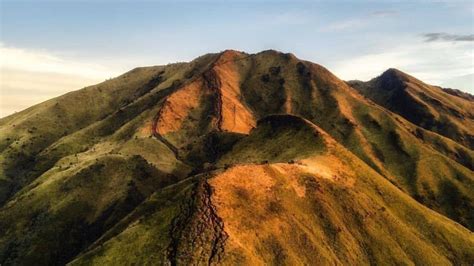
(177, 107)
(236, 117)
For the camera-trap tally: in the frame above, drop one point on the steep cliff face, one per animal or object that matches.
(239, 158)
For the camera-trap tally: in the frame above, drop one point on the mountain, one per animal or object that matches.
(450, 114)
(237, 158)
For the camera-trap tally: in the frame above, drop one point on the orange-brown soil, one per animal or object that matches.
(236, 117)
(178, 106)
(250, 199)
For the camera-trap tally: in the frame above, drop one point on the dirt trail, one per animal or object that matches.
(158, 136)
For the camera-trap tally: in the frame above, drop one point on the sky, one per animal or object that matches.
(48, 48)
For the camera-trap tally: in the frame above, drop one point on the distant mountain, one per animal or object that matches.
(450, 114)
(459, 93)
(239, 158)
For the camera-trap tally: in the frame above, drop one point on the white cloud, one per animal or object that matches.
(465, 83)
(384, 13)
(28, 77)
(41, 61)
(434, 63)
(344, 24)
(288, 18)
(358, 22)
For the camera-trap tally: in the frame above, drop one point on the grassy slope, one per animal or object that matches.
(279, 138)
(427, 106)
(103, 152)
(143, 236)
(27, 134)
(34, 139)
(65, 210)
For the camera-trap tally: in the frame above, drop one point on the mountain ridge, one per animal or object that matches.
(421, 104)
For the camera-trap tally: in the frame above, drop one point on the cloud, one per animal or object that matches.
(289, 18)
(22, 89)
(276, 19)
(383, 13)
(358, 22)
(345, 24)
(433, 62)
(371, 65)
(440, 36)
(42, 61)
(28, 77)
(465, 83)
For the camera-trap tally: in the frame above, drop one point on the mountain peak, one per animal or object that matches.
(422, 104)
(391, 79)
(393, 73)
(231, 52)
